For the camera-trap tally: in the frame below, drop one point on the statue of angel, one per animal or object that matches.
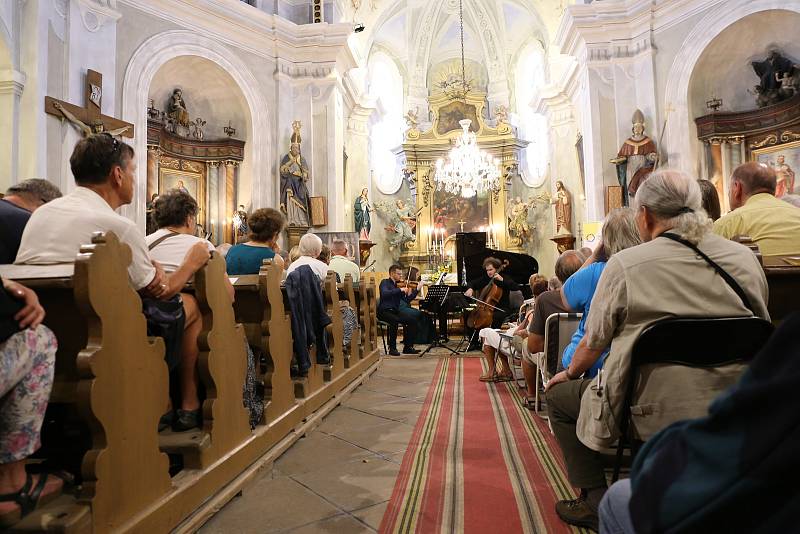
(402, 222)
(518, 226)
(412, 118)
(501, 114)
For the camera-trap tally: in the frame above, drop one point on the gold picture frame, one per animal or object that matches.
(786, 176)
(194, 183)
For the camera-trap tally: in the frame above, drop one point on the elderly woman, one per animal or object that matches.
(175, 214)
(619, 233)
(27, 362)
(491, 337)
(265, 224)
(662, 278)
(310, 248)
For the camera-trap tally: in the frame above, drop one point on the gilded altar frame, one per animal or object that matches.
(420, 151)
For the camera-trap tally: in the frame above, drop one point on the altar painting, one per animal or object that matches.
(449, 210)
(785, 159)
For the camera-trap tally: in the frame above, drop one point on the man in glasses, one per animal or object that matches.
(15, 209)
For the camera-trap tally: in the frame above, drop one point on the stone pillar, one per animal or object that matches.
(737, 157)
(153, 152)
(230, 200)
(212, 189)
(12, 82)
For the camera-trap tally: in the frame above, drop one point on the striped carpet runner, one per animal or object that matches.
(478, 462)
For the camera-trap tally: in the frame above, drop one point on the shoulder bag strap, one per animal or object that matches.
(725, 276)
(158, 241)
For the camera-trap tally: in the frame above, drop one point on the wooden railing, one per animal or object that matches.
(114, 377)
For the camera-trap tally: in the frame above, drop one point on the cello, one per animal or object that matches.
(488, 299)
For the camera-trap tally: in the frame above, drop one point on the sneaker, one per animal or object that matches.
(578, 512)
(393, 352)
(410, 350)
(166, 420)
(188, 420)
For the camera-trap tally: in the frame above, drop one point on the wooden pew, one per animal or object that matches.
(783, 277)
(335, 330)
(347, 292)
(118, 379)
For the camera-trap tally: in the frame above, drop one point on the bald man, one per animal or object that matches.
(773, 224)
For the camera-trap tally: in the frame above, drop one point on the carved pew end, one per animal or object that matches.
(64, 515)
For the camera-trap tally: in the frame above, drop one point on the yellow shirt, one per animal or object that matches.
(772, 223)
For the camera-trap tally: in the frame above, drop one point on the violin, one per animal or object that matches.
(411, 280)
(490, 295)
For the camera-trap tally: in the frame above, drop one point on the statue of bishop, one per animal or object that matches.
(635, 160)
(294, 176)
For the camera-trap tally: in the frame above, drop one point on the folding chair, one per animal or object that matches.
(690, 342)
(558, 331)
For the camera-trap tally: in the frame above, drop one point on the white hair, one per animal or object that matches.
(620, 231)
(675, 200)
(310, 245)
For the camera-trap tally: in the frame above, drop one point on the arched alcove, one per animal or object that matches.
(258, 168)
(385, 83)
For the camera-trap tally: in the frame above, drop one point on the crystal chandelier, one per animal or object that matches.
(468, 170)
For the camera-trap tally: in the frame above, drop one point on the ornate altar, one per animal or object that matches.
(769, 134)
(179, 157)
(441, 215)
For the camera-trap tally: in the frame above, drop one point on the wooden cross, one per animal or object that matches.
(90, 119)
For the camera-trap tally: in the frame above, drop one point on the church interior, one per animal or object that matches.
(399, 266)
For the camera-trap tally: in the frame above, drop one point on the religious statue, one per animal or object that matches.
(402, 223)
(563, 202)
(501, 115)
(412, 121)
(176, 109)
(518, 227)
(785, 174)
(97, 126)
(294, 176)
(776, 79)
(636, 159)
(197, 128)
(361, 213)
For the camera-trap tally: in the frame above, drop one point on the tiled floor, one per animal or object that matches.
(338, 478)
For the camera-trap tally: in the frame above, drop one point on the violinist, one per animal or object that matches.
(482, 287)
(394, 309)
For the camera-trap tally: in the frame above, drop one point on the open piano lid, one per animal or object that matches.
(520, 267)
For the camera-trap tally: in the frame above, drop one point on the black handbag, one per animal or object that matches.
(166, 319)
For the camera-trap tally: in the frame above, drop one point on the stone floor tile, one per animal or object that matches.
(270, 505)
(357, 486)
(386, 438)
(345, 418)
(372, 515)
(340, 524)
(317, 450)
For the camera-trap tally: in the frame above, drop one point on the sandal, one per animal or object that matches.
(488, 378)
(529, 402)
(27, 498)
(504, 378)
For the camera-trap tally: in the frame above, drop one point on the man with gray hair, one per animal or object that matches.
(340, 263)
(16, 207)
(662, 278)
(310, 248)
(772, 224)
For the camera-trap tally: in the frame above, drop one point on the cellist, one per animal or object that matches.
(481, 286)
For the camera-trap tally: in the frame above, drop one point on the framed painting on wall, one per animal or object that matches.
(785, 159)
(189, 182)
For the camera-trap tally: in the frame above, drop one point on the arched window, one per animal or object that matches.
(529, 77)
(386, 84)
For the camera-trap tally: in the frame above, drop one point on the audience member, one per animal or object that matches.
(27, 363)
(341, 264)
(310, 248)
(15, 209)
(727, 471)
(554, 283)
(662, 278)
(175, 216)
(772, 224)
(104, 170)
(325, 254)
(619, 233)
(710, 199)
(586, 252)
(265, 226)
(547, 304)
(294, 253)
(391, 312)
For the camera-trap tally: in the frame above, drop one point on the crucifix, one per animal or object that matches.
(90, 119)
(462, 223)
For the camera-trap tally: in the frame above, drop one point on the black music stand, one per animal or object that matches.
(435, 299)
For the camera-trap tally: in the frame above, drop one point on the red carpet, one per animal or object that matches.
(478, 462)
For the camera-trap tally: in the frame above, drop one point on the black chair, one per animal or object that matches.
(691, 342)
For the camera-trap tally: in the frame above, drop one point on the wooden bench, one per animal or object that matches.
(117, 378)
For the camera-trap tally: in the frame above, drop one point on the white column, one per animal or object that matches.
(12, 83)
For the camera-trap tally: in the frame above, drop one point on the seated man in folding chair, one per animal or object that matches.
(546, 304)
(667, 276)
(391, 310)
(491, 338)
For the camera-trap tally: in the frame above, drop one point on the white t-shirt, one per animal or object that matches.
(319, 267)
(343, 266)
(171, 251)
(56, 231)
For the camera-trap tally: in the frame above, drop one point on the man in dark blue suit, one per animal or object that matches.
(391, 311)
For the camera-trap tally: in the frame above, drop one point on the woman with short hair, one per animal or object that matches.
(265, 225)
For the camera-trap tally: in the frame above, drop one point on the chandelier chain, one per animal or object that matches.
(463, 62)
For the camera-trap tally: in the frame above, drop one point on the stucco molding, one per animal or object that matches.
(96, 14)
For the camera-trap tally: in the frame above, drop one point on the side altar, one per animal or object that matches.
(441, 214)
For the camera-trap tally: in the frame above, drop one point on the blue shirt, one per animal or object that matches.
(391, 295)
(579, 290)
(246, 259)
